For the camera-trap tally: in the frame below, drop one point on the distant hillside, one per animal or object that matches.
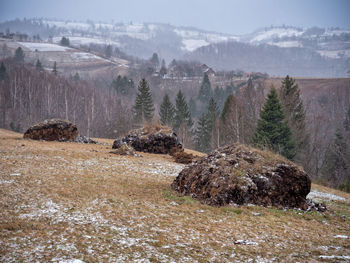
(271, 59)
(322, 52)
(69, 60)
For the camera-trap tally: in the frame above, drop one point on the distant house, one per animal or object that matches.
(205, 69)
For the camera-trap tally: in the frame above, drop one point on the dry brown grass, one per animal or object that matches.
(79, 201)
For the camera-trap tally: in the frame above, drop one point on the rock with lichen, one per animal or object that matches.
(242, 175)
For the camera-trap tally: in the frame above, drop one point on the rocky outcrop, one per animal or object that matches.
(242, 175)
(52, 130)
(155, 139)
(83, 139)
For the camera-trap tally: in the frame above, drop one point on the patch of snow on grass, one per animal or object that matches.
(334, 257)
(83, 56)
(44, 47)
(341, 236)
(321, 195)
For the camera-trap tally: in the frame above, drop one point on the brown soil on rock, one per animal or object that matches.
(151, 139)
(243, 175)
(52, 130)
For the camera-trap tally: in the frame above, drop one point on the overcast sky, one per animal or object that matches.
(228, 16)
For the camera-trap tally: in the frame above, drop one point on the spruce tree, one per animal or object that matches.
(167, 111)
(272, 131)
(19, 55)
(54, 69)
(204, 94)
(3, 73)
(182, 113)
(38, 66)
(202, 134)
(155, 60)
(213, 113)
(295, 116)
(143, 108)
(163, 70)
(65, 41)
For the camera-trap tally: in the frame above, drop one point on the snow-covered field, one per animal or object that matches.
(44, 47)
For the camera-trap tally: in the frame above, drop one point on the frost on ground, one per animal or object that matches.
(314, 194)
(44, 46)
(68, 202)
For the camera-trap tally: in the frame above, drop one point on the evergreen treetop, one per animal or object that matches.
(143, 107)
(167, 111)
(65, 41)
(38, 66)
(182, 113)
(272, 131)
(204, 94)
(203, 134)
(19, 55)
(3, 73)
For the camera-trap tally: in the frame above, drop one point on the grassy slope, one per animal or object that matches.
(79, 201)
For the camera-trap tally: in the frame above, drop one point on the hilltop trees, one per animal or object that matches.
(143, 107)
(272, 131)
(123, 85)
(19, 55)
(65, 41)
(167, 111)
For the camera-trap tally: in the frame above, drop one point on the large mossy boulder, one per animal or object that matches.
(238, 174)
(151, 139)
(52, 130)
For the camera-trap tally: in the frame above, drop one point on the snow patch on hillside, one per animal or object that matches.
(192, 44)
(286, 44)
(45, 47)
(276, 33)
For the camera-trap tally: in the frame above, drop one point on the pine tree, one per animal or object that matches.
(19, 55)
(182, 120)
(167, 111)
(182, 113)
(3, 73)
(38, 66)
(155, 60)
(76, 77)
(213, 113)
(163, 70)
(65, 41)
(295, 116)
(108, 51)
(143, 108)
(54, 69)
(204, 94)
(202, 134)
(272, 131)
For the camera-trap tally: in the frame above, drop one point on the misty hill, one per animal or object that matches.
(323, 52)
(271, 59)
